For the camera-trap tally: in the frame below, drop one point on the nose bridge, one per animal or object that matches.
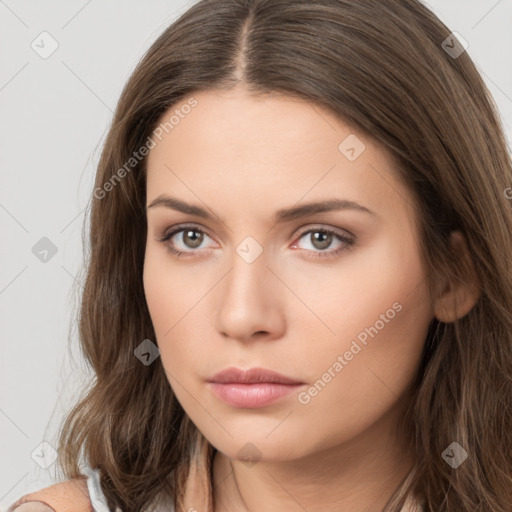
(249, 270)
(248, 297)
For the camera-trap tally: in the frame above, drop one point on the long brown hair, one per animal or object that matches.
(383, 67)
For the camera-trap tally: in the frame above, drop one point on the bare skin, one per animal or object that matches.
(34, 506)
(290, 310)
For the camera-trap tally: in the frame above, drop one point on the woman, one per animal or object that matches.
(242, 361)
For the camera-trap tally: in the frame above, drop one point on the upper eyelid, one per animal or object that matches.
(174, 230)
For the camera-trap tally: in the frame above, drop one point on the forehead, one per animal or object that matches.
(279, 124)
(232, 146)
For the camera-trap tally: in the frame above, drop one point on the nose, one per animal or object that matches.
(249, 301)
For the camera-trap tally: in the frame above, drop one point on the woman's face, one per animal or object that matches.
(262, 284)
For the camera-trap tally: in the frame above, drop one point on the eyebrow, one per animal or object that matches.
(281, 216)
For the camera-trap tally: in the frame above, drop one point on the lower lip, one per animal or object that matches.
(254, 395)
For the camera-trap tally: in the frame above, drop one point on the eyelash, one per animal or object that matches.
(348, 242)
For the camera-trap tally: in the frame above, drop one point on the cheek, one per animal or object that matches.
(157, 288)
(363, 378)
(391, 311)
(171, 288)
(378, 308)
(381, 287)
(173, 295)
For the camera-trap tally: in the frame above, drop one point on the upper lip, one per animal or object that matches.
(253, 375)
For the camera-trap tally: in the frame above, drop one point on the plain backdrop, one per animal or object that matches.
(55, 110)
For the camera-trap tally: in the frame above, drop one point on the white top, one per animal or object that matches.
(98, 500)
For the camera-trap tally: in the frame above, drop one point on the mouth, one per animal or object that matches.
(257, 387)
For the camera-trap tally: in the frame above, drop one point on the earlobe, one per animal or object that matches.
(458, 299)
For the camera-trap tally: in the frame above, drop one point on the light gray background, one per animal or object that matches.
(54, 116)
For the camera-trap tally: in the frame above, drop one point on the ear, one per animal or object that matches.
(457, 299)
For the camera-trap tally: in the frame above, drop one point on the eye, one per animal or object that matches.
(322, 238)
(192, 237)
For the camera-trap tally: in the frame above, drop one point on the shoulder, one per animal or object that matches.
(68, 496)
(34, 506)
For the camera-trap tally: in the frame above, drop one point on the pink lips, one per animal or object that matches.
(253, 388)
